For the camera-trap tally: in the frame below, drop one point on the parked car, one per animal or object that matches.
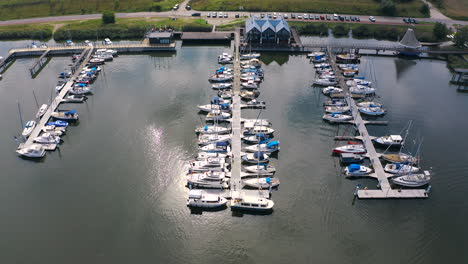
(299, 16)
(208, 15)
(335, 17)
(214, 15)
(341, 18)
(328, 17)
(237, 15)
(270, 16)
(226, 15)
(351, 18)
(322, 17)
(411, 20)
(415, 21)
(372, 19)
(196, 14)
(306, 16)
(188, 7)
(262, 15)
(346, 18)
(293, 16)
(358, 19)
(285, 16)
(317, 17)
(406, 20)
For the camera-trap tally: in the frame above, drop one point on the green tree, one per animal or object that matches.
(108, 17)
(461, 37)
(440, 31)
(388, 7)
(425, 9)
(116, 5)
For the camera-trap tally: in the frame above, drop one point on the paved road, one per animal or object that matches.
(436, 16)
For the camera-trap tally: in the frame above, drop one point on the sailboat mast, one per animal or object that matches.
(20, 115)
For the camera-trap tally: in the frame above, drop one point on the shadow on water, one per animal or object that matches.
(241, 213)
(199, 211)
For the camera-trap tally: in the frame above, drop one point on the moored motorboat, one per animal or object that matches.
(399, 158)
(221, 78)
(219, 147)
(202, 199)
(217, 115)
(368, 104)
(204, 181)
(252, 203)
(28, 128)
(33, 151)
(74, 98)
(225, 107)
(249, 95)
(206, 155)
(59, 86)
(258, 130)
(58, 123)
(255, 138)
(350, 158)
(357, 170)
(47, 138)
(360, 89)
(325, 82)
(331, 90)
(41, 111)
(213, 138)
(249, 56)
(249, 85)
(58, 131)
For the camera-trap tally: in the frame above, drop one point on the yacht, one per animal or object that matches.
(225, 107)
(399, 158)
(249, 56)
(337, 109)
(391, 140)
(351, 148)
(60, 85)
(258, 130)
(264, 183)
(58, 131)
(260, 169)
(249, 95)
(335, 102)
(373, 111)
(252, 203)
(413, 180)
(325, 82)
(256, 157)
(219, 147)
(202, 156)
(269, 147)
(28, 129)
(250, 123)
(255, 139)
(221, 78)
(80, 90)
(47, 138)
(254, 104)
(225, 94)
(202, 199)
(58, 123)
(249, 84)
(217, 115)
(368, 104)
(71, 115)
(398, 168)
(204, 181)
(41, 111)
(360, 89)
(212, 130)
(331, 90)
(221, 86)
(337, 118)
(213, 138)
(74, 98)
(33, 151)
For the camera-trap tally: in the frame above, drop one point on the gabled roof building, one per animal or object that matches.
(259, 30)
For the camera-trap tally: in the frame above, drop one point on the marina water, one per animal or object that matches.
(114, 190)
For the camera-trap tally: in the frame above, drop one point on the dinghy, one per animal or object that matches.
(47, 138)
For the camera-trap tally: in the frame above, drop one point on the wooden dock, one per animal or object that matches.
(386, 190)
(55, 104)
(39, 63)
(236, 182)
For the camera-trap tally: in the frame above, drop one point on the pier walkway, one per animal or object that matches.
(55, 103)
(386, 190)
(236, 181)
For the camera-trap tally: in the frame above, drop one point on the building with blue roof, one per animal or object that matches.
(258, 30)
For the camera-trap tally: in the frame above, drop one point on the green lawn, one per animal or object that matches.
(457, 9)
(358, 7)
(32, 31)
(14, 9)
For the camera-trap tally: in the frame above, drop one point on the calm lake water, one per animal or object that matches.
(114, 190)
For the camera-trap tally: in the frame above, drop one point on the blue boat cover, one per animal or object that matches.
(273, 144)
(58, 123)
(71, 112)
(354, 167)
(318, 57)
(259, 155)
(268, 179)
(82, 84)
(205, 128)
(222, 144)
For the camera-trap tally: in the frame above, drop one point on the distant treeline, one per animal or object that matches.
(382, 32)
(26, 32)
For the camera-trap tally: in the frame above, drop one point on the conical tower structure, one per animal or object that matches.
(410, 44)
